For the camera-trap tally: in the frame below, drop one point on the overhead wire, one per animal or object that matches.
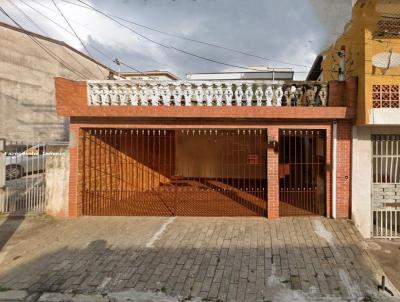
(64, 49)
(26, 16)
(169, 46)
(43, 47)
(60, 26)
(77, 36)
(194, 40)
(71, 33)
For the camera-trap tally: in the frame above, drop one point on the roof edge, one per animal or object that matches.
(55, 41)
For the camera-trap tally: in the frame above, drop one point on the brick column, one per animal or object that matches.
(343, 169)
(2, 174)
(73, 194)
(272, 175)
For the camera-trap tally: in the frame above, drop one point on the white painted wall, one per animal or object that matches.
(362, 174)
(384, 116)
(57, 180)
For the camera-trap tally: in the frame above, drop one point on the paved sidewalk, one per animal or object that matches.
(197, 259)
(387, 253)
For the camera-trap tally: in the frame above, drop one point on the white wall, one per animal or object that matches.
(362, 174)
(384, 116)
(57, 180)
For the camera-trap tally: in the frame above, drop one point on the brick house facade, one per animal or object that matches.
(76, 99)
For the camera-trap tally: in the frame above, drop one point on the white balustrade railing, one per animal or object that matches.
(185, 93)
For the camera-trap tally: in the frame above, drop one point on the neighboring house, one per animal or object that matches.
(369, 51)
(28, 64)
(259, 73)
(146, 75)
(208, 148)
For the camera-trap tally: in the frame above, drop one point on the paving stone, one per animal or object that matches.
(230, 259)
(13, 295)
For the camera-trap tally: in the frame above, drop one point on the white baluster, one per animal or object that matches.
(249, 95)
(199, 94)
(292, 95)
(287, 97)
(219, 93)
(166, 95)
(134, 95)
(239, 94)
(94, 95)
(209, 95)
(188, 93)
(177, 93)
(310, 96)
(228, 94)
(144, 95)
(123, 94)
(279, 95)
(154, 95)
(259, 95)
(104, 96)
(114, 95)
(299, 95)
(269, 95)
(323, 94)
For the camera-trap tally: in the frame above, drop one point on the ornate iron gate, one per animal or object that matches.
(173, 172)
(302, 158)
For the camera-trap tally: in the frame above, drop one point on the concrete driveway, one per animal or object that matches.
(186, 259)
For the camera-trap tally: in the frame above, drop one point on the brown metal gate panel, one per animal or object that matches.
(302, 170)
(174, 172)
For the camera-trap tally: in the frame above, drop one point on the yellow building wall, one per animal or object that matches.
(360, 46)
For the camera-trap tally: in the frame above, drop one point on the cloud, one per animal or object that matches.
(293, 31)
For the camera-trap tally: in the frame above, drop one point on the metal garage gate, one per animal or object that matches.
(173, 172)
(302, 172)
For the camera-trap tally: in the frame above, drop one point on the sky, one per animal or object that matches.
(285, 33)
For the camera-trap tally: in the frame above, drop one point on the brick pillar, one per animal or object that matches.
(73, 207)
(2, 174)
(272, 175)
(343, 169)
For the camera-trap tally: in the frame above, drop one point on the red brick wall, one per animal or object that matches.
(272, 175)
(343, 169)
(74, 173)
(343, 93)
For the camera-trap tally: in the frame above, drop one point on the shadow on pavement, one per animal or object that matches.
(8, 228)
(211, 272)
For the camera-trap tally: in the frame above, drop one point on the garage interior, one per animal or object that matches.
(302, 172)
(196, 172)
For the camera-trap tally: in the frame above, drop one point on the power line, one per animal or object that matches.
(177, 49)
(48, 51)
(195, 40)
(168, 46)
(129, 28)
(65, 50)
(27, 17)
(44, 16)
(60, 26)
(71, 33)
(76, 35)
(69, 54)
(44, 6)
